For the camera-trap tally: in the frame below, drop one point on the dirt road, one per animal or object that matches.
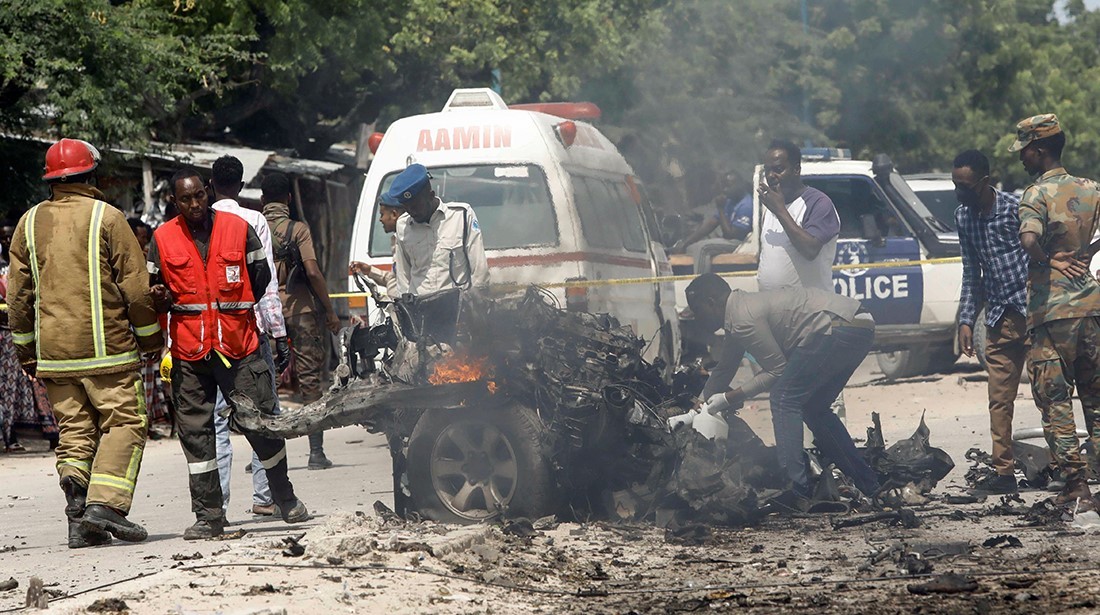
(356, 563)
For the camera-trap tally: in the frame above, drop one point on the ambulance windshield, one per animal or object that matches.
(512, 203)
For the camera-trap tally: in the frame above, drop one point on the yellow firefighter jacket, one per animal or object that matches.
(78, 288)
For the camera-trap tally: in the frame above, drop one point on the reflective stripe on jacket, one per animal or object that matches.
(212, 300)
(78, 291)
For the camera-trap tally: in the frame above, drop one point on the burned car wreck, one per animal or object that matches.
(516, 407)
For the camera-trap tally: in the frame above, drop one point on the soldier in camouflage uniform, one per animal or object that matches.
(1059, 215)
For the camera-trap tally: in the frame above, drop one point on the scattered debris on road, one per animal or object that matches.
(1004, 541)
(36, 595)
(108, 605)
(293, 547)
(949, 583)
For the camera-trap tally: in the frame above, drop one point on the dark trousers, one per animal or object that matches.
(814, 376)
(194, 390)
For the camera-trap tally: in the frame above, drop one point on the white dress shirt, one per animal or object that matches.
(269, 309)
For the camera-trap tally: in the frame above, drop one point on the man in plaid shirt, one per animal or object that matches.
(994, 275)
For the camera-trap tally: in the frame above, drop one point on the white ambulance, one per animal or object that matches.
(555, 200)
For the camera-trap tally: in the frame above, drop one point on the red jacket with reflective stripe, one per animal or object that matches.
(211, 301)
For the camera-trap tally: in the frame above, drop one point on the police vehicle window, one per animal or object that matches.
(855, 197)
(512, 203)
(942, 204)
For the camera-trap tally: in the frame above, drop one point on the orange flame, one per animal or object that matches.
(459, 367)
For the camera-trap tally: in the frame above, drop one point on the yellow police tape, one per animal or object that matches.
(691, 276)
(674, 278)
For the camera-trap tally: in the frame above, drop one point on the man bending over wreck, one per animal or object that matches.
(808, 342)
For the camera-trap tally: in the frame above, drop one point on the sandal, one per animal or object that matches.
(16, 447)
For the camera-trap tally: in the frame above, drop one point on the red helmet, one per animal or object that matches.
(70, 157)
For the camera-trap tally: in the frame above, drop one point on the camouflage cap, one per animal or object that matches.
(1035, 127)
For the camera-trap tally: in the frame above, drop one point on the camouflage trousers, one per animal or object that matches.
(1066, 354)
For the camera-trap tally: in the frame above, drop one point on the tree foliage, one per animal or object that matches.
(690, 88)
(711, 82)
(111, 73)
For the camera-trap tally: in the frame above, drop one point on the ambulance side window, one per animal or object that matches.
(609, 218)
(855, 198)
(597, 224)
(631, 215)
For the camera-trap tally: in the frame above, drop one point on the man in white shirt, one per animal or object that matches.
(226, 183)
(799, 231)
(800, 226)
(438, 244)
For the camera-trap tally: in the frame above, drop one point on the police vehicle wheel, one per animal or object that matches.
(473, 465)
(903, 363)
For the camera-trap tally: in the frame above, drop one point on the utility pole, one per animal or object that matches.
(806, 34)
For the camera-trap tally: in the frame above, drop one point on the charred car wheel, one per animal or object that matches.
(467, 466)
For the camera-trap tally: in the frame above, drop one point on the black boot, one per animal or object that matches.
(317, 458)
(105, 518)
(205, 528)
(79, 536)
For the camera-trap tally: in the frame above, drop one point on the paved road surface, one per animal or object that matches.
(32, 509)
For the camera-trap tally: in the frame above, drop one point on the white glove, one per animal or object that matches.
(715, 404)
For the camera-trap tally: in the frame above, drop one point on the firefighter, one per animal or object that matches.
(438, 244)
(209, 269)
(80, 310)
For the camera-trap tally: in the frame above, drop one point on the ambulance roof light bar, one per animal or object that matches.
(474, 98)
(565, 110)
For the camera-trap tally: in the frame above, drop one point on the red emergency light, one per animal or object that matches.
(374, 141)
(567, 132)
(565, 110)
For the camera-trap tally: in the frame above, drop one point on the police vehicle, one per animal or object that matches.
(893, 254)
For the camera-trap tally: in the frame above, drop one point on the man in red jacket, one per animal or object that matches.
(209, 269)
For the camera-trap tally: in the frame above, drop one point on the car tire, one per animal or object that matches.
(473, 465)
(902, 363)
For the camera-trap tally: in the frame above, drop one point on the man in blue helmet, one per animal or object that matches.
(438, 244)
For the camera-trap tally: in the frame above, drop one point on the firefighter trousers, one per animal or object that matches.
(103, 427)
(194, 389)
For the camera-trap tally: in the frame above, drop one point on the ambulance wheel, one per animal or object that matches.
(469, 466)
(903, 362)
